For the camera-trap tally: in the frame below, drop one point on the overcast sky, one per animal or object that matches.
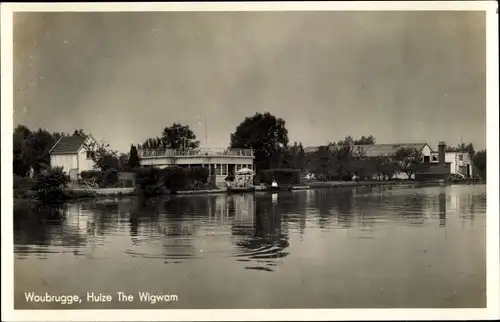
(400, 76)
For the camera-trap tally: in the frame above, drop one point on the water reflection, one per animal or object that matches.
(169, 228)
(265, 239)
(312, 233)
(442, 209)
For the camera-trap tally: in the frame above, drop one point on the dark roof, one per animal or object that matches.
(378, 149)
(68, 144)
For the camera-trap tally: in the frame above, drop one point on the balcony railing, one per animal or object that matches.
(195, 152)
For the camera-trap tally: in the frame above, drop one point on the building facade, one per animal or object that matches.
(71, 154)
(460, 162)
(221, 162)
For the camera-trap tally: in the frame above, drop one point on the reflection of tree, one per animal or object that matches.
(268, 239)
(442, 209)
(343, 205)
(36, 224)
(182, 215)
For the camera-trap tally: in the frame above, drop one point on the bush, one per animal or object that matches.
(175, 178)
(199, 174)
(91, 174)
(282, 176)
(109, 178)
(22, 187)
(154, 181)
(49, 185)
(150, 181)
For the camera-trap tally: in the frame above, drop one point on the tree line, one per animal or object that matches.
(265, 133)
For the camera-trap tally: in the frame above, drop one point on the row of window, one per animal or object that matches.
(223, 169)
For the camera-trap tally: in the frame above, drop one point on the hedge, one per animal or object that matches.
(154, 181)
(282, 176)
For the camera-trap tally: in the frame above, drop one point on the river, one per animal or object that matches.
(413, 247)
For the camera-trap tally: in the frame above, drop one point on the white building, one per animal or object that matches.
(71, 154)
(460, 162)
(220, 162)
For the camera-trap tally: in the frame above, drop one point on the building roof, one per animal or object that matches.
(378, 149)
(68, 144)
(387, 149)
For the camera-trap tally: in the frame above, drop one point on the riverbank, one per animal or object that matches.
(89, 193)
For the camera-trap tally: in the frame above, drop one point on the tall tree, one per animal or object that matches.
(21, 166)
(133, 160)
(479, 162)
(35, 150)
(408, 160)
(179, 136)
(264, 133)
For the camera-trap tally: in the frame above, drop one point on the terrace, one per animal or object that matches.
(211, 152)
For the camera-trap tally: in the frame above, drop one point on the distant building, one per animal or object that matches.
(435, 169)
(221, 162)
(70, 154)
(460, 162)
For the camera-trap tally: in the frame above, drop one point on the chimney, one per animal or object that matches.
(441, 152)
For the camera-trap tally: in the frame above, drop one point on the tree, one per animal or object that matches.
(365, 140)
(123, 160)
(264, 133)
(408, 160)
(384, 166)
(344, 160)
(179, 136)
(35, 149)
(152, 144)
(103, 156)
(20, 165)
(479, 162)
(79, 133)
(321, 162)
(133, 160)
(462, 147)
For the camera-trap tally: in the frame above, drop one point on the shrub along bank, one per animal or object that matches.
(153, 181)
(281, 176)
(49, 185)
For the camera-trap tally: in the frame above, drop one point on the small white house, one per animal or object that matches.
(71, 154)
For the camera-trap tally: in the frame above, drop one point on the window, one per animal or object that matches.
(426, 159)
(434, 158)
(224, 169)
(89, 155)
(460, 157)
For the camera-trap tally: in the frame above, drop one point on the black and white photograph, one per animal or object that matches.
(187, 158)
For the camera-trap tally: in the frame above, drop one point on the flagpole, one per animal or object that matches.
(206, 136)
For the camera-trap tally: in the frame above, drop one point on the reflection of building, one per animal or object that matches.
(220, 162)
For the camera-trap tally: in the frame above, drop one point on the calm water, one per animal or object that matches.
(352, 248)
